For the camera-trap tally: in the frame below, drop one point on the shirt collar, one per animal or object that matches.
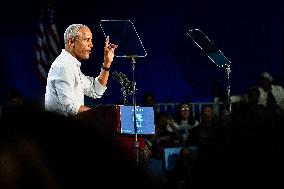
(71, 57)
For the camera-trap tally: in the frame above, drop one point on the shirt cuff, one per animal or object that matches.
(76, 109)
(100, 89)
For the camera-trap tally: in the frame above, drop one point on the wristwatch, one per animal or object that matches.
(105, 68)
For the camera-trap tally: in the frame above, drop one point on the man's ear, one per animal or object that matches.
(71, 41)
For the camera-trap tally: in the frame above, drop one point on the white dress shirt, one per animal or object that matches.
(67, 85)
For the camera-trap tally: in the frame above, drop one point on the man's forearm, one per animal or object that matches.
(104, 74)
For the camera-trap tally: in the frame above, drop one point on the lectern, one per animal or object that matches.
(115, 122)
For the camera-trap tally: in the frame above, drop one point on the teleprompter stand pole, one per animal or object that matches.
(136, 142)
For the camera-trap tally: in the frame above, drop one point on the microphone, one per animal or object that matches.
(117, 77)
(123, 80)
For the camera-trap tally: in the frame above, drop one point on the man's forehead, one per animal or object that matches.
(85, 32)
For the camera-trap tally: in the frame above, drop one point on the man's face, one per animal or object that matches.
(185, 111)
(265, 83)
(83, 44)
(207, 113)
(149, 101)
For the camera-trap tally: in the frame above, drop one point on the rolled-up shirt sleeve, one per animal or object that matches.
(92, 87)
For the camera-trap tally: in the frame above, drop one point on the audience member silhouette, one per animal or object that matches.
(205, 137)
(250, 112)
(271, 95)
(162, 137)
(185, 172)
(148, 99)
(184, 120)
(255, 142)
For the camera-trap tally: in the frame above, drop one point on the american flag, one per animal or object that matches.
(47, 41)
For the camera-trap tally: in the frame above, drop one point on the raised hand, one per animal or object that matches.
(108, 52)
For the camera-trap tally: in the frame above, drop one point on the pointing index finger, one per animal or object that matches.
(107, 41)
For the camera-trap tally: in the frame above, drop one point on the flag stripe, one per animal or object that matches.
(47, 41)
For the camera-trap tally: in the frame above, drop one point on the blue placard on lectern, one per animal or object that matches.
(144, 120)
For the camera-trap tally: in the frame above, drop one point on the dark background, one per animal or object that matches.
(249, 33)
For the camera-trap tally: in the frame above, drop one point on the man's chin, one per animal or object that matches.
(86, 56)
